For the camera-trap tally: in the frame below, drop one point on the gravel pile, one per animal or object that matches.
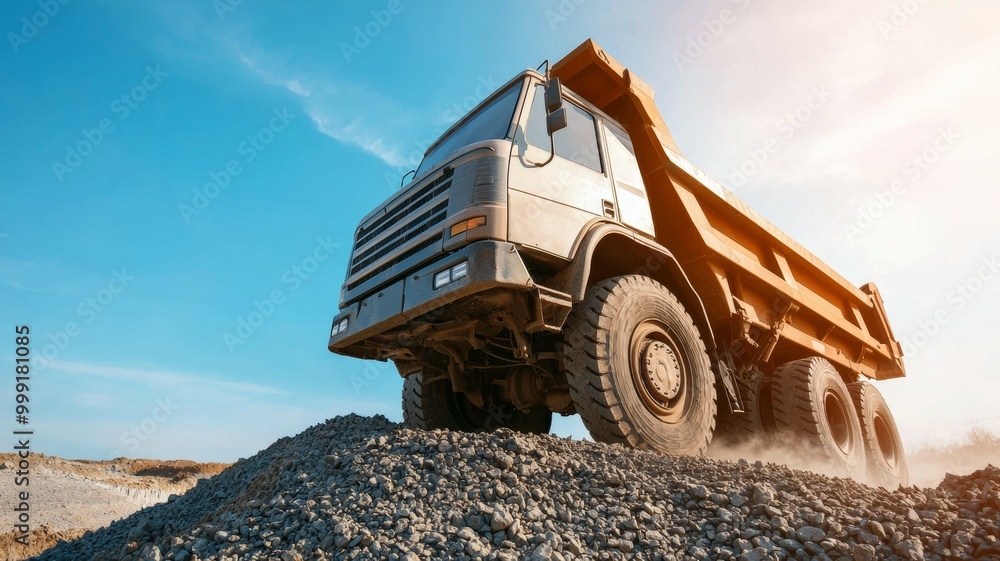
(357, 487)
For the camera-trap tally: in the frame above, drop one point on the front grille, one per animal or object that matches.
(418, 226)
(406, 220)
(375, 272)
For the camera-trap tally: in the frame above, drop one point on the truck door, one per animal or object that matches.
(633, 205)
(549, 205)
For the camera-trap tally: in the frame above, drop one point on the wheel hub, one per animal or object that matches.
(662, 371)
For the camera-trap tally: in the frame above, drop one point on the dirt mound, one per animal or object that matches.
(139, 473)
(39, 540)
(357, 487)
(172, 470)
(70, 497)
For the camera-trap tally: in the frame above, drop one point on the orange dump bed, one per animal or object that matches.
(768, 298)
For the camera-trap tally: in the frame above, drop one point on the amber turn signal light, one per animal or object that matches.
(467, 225)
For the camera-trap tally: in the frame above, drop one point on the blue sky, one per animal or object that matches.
(169, 169)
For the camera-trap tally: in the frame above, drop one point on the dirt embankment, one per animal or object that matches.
(70, 497)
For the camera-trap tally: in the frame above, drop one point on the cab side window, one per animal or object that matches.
(623, 160)
(577, 142)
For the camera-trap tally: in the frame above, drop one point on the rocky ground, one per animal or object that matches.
(366, 488)
(70, 497)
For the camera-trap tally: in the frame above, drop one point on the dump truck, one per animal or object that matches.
(555, 253)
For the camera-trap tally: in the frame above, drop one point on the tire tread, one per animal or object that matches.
(797, 413)
(588, 369)
(878, 474)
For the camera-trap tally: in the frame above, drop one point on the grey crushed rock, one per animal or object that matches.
(365, 488)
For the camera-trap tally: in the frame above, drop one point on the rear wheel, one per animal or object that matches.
(637, 368)
(883, 447)
(812, 404)
(434, 405)
(756, 424)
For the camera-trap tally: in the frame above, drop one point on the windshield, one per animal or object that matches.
(490, 122)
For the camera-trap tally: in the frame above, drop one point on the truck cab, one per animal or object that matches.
(487, 214)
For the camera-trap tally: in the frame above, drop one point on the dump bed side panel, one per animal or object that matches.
(755, 281)
(773, 283)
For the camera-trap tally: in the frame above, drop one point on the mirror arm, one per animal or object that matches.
(544, 63)
(403, 179)
(552, 152)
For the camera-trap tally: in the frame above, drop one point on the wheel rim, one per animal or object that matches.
(659, 372)
(885, 441)
(838, 420)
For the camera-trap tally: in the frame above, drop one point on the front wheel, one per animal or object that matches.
(637, 368)
(434, 405)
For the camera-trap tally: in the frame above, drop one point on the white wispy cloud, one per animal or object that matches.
(14, 273)
(354, 133)
(344, 110)
(97, 400)
(326, 106)
(17, 285)
(162, 378)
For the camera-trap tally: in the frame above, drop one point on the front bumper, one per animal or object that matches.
(492, 264)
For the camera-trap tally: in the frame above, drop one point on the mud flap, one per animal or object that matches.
(726, 378)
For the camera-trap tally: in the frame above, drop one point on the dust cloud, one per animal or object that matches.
(927, 463)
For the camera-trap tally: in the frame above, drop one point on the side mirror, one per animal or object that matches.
(553, 95)
(556, 118)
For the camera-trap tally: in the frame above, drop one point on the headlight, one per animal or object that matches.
(451, 275)
(339, 327)
(442, 278)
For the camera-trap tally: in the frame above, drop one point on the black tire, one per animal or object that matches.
(434, 405)
(813, 406)
(623, 324)
(883, 446)
(756, 424)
